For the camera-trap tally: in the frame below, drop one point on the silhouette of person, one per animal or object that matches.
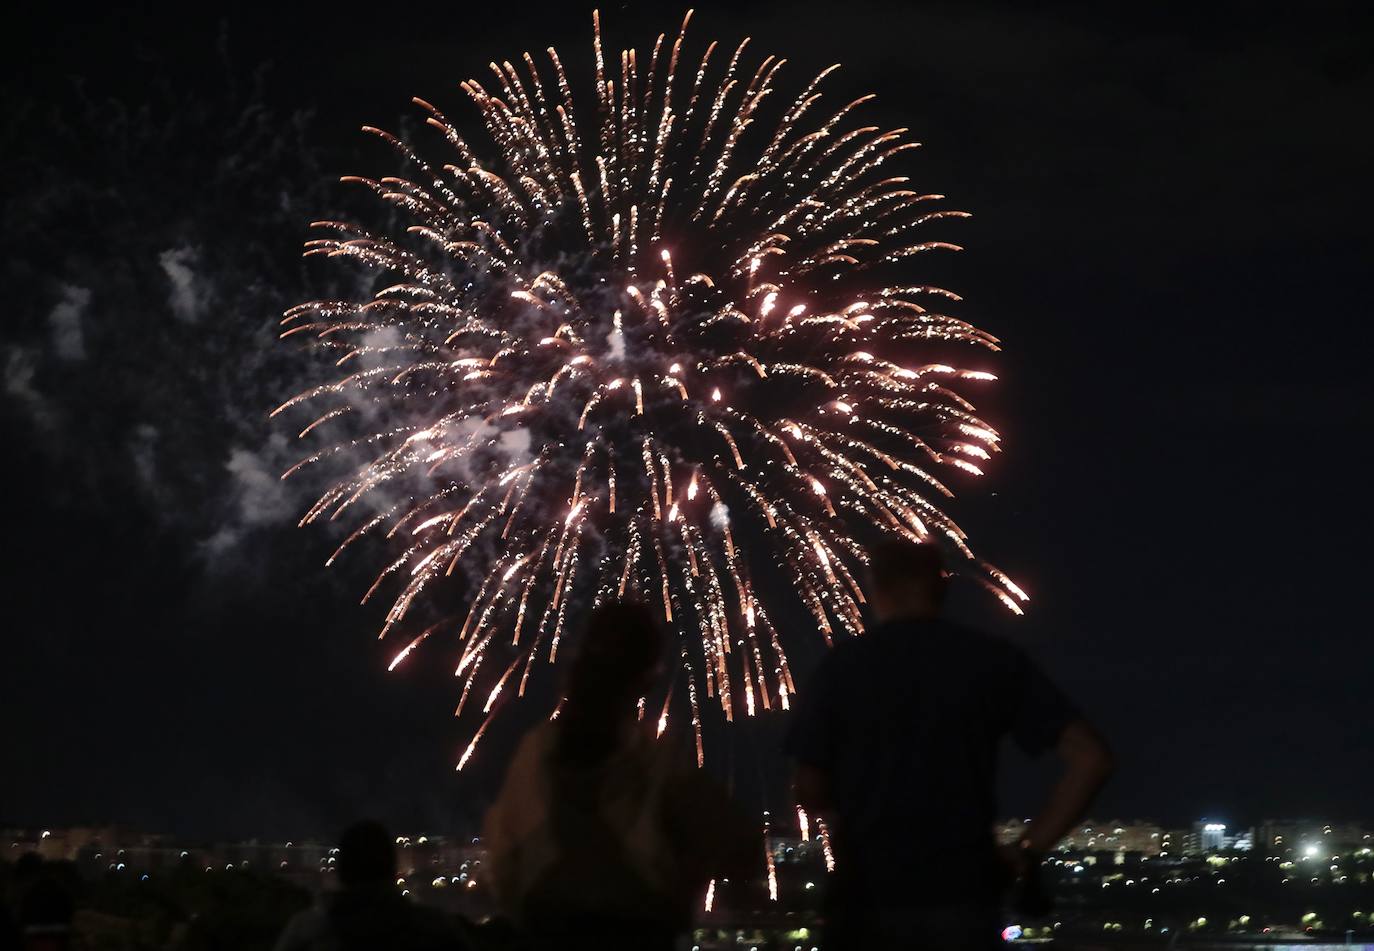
(896, 740)
(367, 911)
(601, 835)
(46, 906)
(9, 929)
(25, 871)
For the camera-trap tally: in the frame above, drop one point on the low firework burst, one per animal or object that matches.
(648, 354)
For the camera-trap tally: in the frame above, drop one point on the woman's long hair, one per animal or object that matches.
(620, 647)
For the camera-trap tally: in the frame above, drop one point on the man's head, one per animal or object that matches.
(905, 579)
(367, 854)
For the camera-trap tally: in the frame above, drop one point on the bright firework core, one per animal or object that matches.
(650, 353)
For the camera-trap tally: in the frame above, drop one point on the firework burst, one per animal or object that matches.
(645, 352)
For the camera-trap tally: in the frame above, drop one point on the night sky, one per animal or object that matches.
(1170, 233)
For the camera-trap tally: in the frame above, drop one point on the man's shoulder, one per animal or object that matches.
(933, 631)
(903, 642)
(979, 638)
(951, 641)
(851, 652)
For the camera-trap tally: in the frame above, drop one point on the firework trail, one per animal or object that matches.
(647, 349)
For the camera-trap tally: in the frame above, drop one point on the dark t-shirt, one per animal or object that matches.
(906, 722)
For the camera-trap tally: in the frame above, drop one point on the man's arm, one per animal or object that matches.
(1087, 764)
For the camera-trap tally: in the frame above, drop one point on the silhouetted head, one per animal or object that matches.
(367, 854)
(618, 655)
(615, 665)
(906, 579)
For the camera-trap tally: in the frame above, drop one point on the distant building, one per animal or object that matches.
(1208, 837)
(1295, 837)
(1211, 836)
(86, 843)
(1117, 836)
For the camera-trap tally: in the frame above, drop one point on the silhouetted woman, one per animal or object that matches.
(602, 835)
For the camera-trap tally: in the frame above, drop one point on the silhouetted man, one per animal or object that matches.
(896, 741)
(367, 912)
